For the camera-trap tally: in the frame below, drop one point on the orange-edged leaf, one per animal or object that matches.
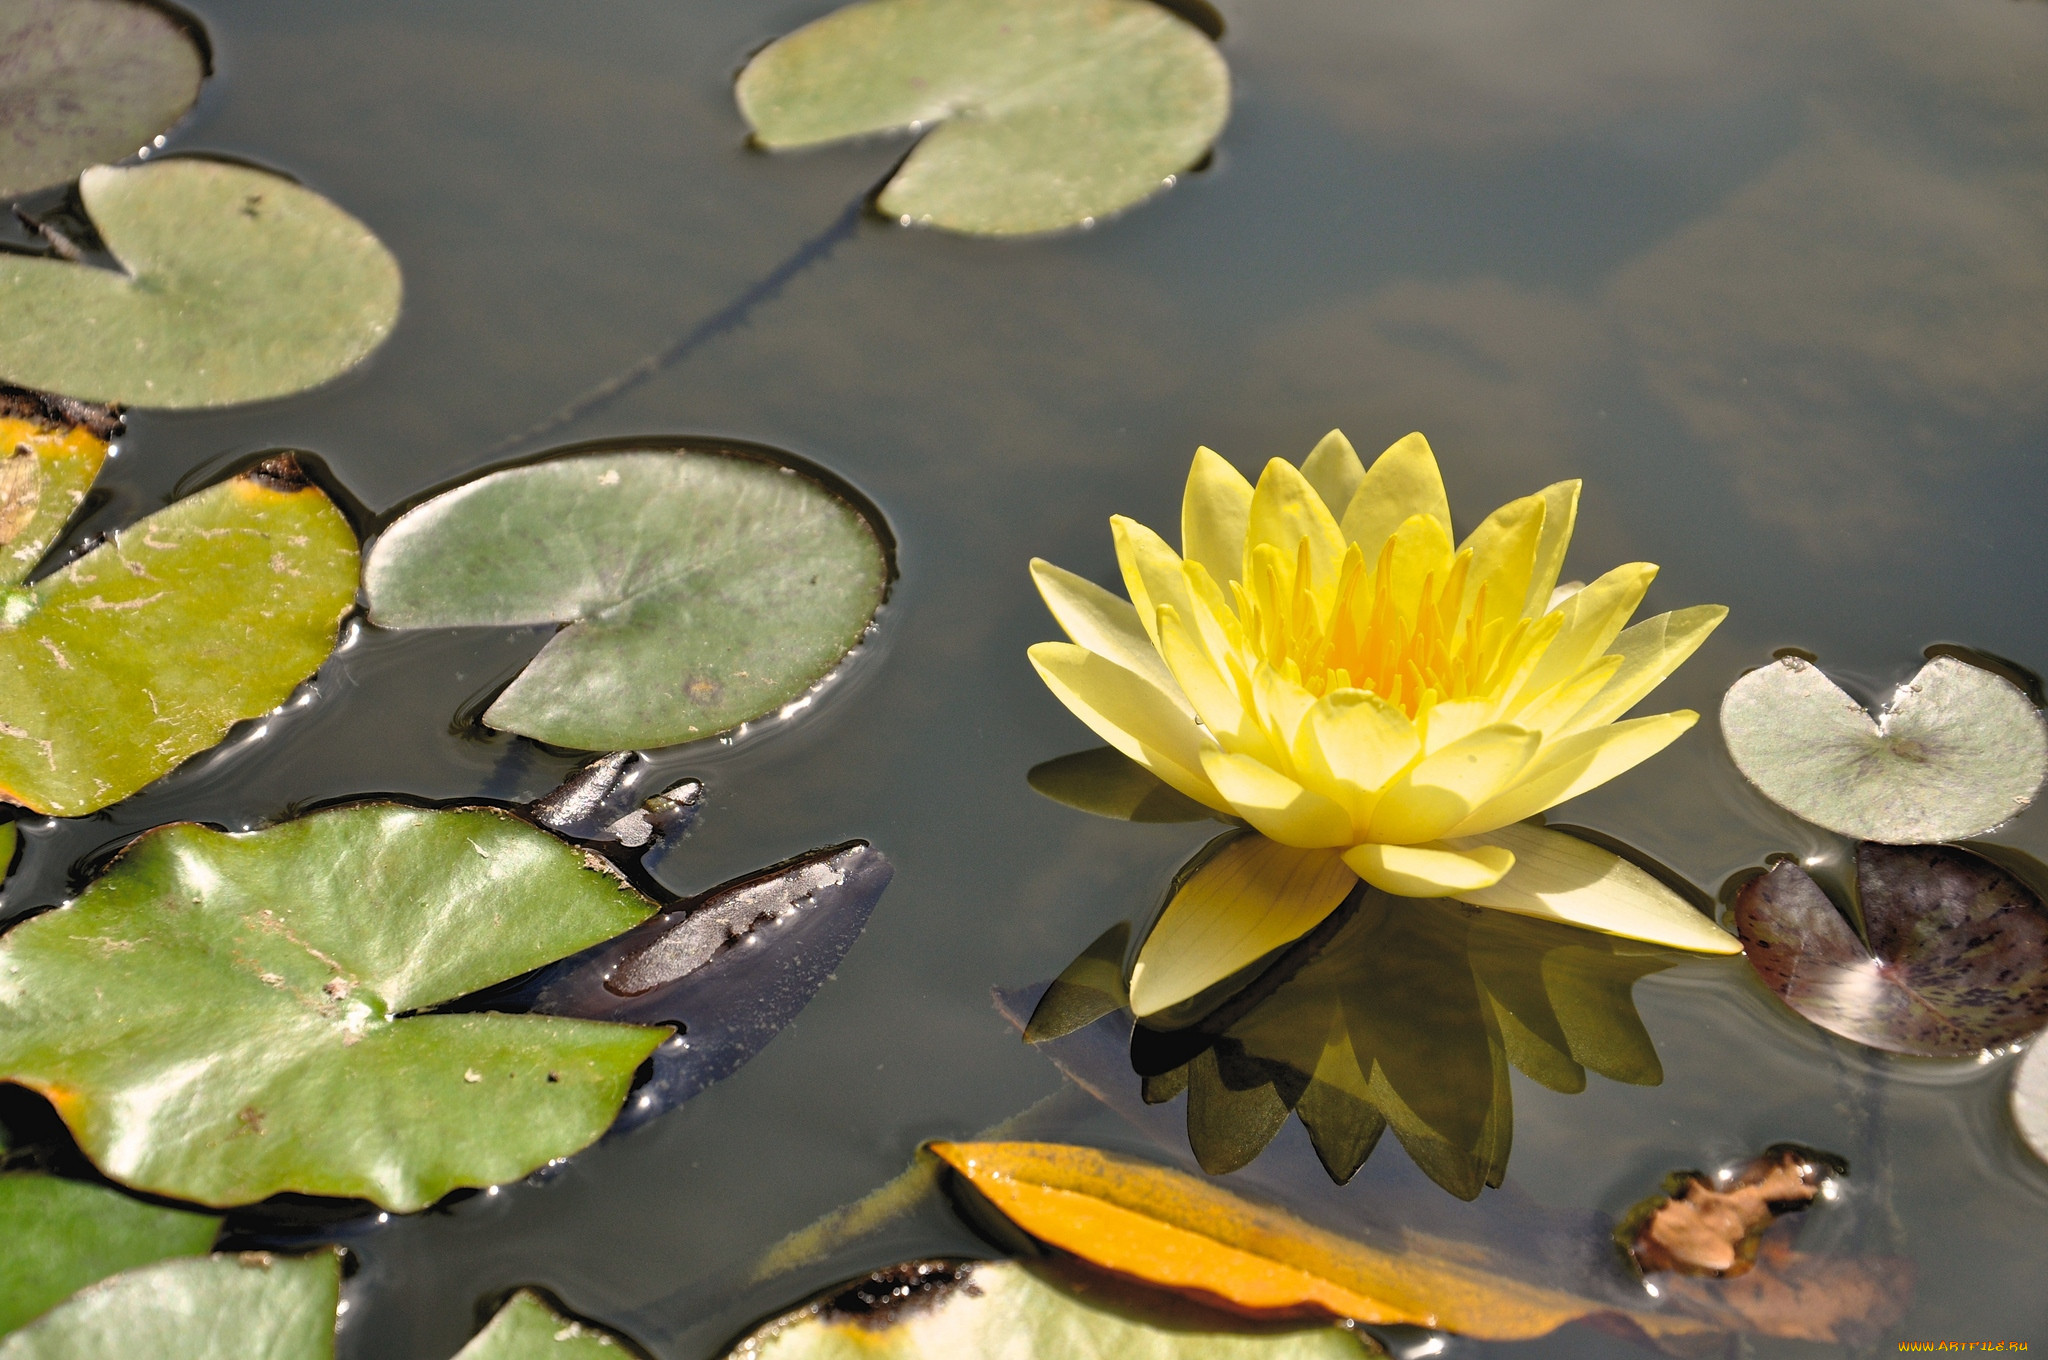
(1172, 1229)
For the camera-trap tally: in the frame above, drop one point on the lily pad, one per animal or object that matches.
(207, 1308)
(63, 1235)
(699, 589)
(148, 648)
(221, 1018)
(2030, 1098)
(48, 459)
(995, 1310)
(526, 1328)
(85, 81)
(1047, 115)
(235, 285)
(1958, 751)
(1957, 960)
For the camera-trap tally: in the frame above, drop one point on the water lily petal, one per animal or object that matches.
(1285, 511)
(1437, 870)
(1562, 878)
(1152, 572)
(1249, 898)
(1275, 804)
(1444, 789)
(1560, 517)
(1130, 714)
(1570, 767)
(1359, 738)
(1401, 483)
(1422, 548)
(1103, 623)
(1649, 651)
(1503, 551)
(1213, 515)
(1282, 704)
(1550, 712)
(1334, 470)
(1218, 699)
(1592, 619)
(1215, 623)
(1454, 719)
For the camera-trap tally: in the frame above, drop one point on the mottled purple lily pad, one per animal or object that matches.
(1957, 960)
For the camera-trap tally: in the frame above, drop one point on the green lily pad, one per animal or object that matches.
(995, 1310)
(238, 285)
(527, 1329)
(1959, 750)
(1048, 115)
(148, 648)
(1957, 960)
(700, 590)
(47, 464)
(221, 1018)
(85, 81)
(206, 1308)
(63, 1235)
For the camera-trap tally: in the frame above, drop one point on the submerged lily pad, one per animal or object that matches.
(1958, 751)
(48, 459)
(700, 590)
(224, 1017)
(1048, 115)
(235, 285)
(527, 1329)
(1957, 960)
(85, 81)
(148, 648)
(63, 1235)
(207, 1308)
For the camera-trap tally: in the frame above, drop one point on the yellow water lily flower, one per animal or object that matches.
(1324, 661)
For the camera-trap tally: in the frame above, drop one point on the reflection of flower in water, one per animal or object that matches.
(1391, 1014)
(1360, 687)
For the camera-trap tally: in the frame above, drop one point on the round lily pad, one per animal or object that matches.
(221, 1017)
(1959, 750)
(148, 648)
(2030, 1098)
(700, 590)
(1957, 960)
(1043, 116)
(85, 81)
(63, 1235)
(235, 285)
(206, 1308)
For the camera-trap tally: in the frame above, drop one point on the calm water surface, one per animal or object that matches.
(1773, 277)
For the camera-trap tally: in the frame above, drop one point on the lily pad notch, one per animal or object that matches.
(699, 585)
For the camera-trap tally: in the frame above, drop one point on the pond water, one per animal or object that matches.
(1773, 278)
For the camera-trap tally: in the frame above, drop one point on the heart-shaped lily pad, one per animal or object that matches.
(1959, 750)
(85, 81)
(700, 589)
(1957, 961)
(235, 285)
(49, 457)
(1048, 115)
(223, 1017)
(63, 1235)
(148, 648)
(206, 1308)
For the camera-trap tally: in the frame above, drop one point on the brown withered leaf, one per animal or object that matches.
(1698, 1229)
(1835, 1300)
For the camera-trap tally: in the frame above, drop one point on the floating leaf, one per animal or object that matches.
(63, 1235)
(224, 1017)
(49, 455)
(527, 1329)
(148, 648)
(1957, 959)
(87, 81)
(2030, 1098)
(997, 1310)
(729, 970)
(235, 285)
(1174, 1230)
(208, 1308)
(1703, 1227)
(701, 589)
(1958, 751)
(1109, 783)
(1049, 115)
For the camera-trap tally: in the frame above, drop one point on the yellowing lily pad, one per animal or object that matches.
(1043, 116)
(48, 460)
(221, 1018)
(207, 1308)
(700, 590)
(85, 81)
(235, 285)
(1958, 751)
(527, 1329)
(148, 648)
(63, 1235)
